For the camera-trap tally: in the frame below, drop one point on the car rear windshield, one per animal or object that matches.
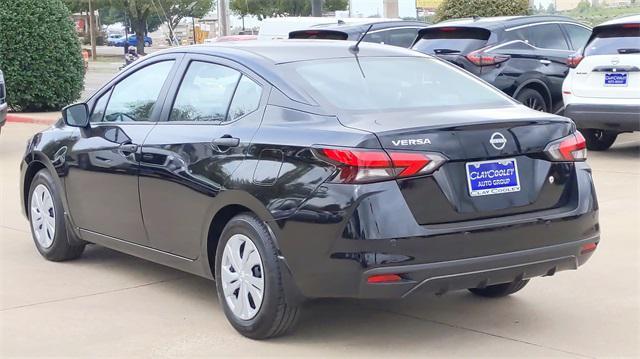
(451, 40)
(615, 40)
(385, 83)
(318, 34)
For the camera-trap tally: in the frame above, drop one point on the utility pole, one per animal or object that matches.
(193, 25)
(223, 17)
(316, 8)
(92, 34)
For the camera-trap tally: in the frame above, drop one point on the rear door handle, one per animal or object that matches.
(226, 141)
(545, 62)
(128, 147)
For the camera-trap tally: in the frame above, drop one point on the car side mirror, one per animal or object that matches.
(76, 115)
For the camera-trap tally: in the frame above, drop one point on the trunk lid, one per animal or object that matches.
(611, 64)
(467, 138)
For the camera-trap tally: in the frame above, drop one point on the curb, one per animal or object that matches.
(32, 120)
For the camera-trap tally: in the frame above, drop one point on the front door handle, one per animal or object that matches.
(226, 141)
(128, 148)
(545, 62)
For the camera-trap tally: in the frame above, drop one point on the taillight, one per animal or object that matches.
(360, 165)
(481, 58)
(571, 148)
(574, 60)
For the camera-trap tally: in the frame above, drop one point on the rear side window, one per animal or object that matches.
(134, 98)
(385, 83)
(548, 36)
(451, 40)
(205, 93)
(578, 35)
(245, 100)
(614, 41)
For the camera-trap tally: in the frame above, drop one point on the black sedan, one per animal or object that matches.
(298, 169)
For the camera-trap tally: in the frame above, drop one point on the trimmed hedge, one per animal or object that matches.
(39, 55)
(453, 9)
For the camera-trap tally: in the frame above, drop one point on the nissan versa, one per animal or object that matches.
(302, 169)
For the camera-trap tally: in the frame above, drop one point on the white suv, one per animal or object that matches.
(602, 91)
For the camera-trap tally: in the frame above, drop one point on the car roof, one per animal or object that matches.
(273, 52)
(498, 22)
(632, 19)
(262, 56)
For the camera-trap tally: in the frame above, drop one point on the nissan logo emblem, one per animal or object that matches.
(498, 141)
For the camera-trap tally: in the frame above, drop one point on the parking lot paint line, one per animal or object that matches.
(29, 119)
(477, 331)
(94, 294)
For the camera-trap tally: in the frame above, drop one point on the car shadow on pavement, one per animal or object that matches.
(332, 320)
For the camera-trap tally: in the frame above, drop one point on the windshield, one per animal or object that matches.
(614, 41)
(384, 83)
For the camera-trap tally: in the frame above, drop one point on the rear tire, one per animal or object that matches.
(499, 290)
(47, 221)
(257, 318)
(533, 99)
(599, 140)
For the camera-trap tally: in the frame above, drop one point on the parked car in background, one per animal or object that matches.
(113, 39)
(133, 41)
(3, 101)
(524, 56)
(279, 27)
(293, 169)
(396, 33)
(233, 38)
(602, 91)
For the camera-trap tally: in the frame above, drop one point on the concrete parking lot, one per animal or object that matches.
(111, 304)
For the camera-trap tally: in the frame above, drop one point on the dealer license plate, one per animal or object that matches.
(615, 79)
(493, 177)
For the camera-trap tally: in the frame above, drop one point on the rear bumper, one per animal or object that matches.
(332, 247)
(620, 118)
(479, 272)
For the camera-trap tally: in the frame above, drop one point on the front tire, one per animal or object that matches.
(249, 280)
(533, 99)
(47, 220)
(499, 290)
(599, 140)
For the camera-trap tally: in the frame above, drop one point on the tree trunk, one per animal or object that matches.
(140, 29)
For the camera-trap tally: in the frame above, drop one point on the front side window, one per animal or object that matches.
(98, 109)
(578, 35)
(205, 93)
(134, 98)
(383, 83)
(548, 36)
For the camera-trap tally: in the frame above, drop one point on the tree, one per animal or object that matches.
(268, 8)
(335, 5)
(39, 55)
(452, 9)
(551, 9)
(176, 10)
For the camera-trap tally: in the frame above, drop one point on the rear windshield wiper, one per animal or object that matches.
(629, 51)
(446, 51)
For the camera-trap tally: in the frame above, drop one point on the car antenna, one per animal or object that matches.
(355, 49)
